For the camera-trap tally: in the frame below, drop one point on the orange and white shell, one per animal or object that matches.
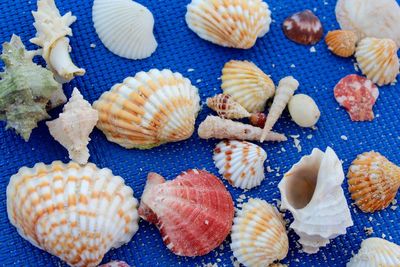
(247, 84)
(373, 181)
(226, 107)
(258, 234)
(75, 213)
(241, 163)
(148, 110)
(341, 42)
(229, 23)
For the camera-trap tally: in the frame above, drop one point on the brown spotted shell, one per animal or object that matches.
(226, 107)
(342, 43)
(258, 119)
(303, 27)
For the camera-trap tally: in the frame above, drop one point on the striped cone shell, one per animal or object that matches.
(227, 108)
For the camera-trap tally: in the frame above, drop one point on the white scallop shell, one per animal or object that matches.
(241, 163)
(312, 192)
(125, 27)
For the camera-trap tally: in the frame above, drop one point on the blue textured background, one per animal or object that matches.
(180, 49)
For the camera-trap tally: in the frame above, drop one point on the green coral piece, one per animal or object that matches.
(25, 88)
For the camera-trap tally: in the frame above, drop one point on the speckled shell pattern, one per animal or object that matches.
(226, 107)
(341, 42)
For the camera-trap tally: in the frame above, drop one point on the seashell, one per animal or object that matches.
(285, 91)
(77, 213)
(241, 163)
(342, 43)
(190, 224)
(378, 60)
(58, 98)
(258, 234)
(148, 110)
(376, 252)
(73, 127)
(355, 15)
(115, 264)
(258, 119)
(303, 110)
(303, 27)
(227, 108)
(278, 265)
(125, 27)
(247, 84)
(373, 181)
(51, 32)
(312, 192)
(229, 23)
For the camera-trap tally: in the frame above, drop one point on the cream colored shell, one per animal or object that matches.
(303, 110)
(226, 107)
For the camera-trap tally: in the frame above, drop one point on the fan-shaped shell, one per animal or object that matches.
(75, 213)
(229, 23)
(125, 27)
(193, 212)
(341, 42)
(258, 234)
(241, 163)
(378, 60)
(376, 252)
(247, 84)
(149, 109)
(226, 107)
(373, 181)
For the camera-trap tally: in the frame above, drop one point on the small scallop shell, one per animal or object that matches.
(303, 28)
(75, 213)
(378, 60)
(125, 27)
(229, 23)
(226, 107)
(241, 163)
(303, 110)
(376, 252)
(258, 234)
(373, 181)
(148, 110)
(342, 43)
(247, 84)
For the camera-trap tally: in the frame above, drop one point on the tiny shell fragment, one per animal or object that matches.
(303, 27)
(342, 43)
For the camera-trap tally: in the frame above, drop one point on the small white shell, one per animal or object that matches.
(304, 110)
(125, 27)
(241, 163)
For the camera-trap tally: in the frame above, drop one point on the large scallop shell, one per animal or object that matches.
(75, 213)
(230, 23)
(376, 252)
(378, 60)
(241, 163)
(247, 84)
(125, 27)
(258, 234)
(227, 108)
(149, 109)
(341, 42)
(193, 212)
(312, 192)
(373, 181)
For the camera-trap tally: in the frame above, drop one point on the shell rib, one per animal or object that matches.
(341, 42)
(258, 234)
(193, 212)
(285, 91)
(227, 108)
(75, 213)
(312, 192)
(241, 163)
(125, 27)
(229, 23)
(73, 127)
(247, 84)
(148, 110)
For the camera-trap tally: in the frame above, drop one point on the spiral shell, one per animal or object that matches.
(227, 108)
(341, 42)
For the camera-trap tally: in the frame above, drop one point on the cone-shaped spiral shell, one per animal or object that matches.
(73, 127)
(247, 84)
(378, 60)
(226, 107)
(241, 163)
(342, 43)
(229, 23)
(125, 27)
(148, 110)
(312, 192)
(75, 213)
(193, 212)
(258, 234)
(373, 181)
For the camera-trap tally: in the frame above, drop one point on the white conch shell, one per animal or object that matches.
(51, 32)
(376, 252)
(312, 192)
(73, 127)
(125, 27)
(284, 92)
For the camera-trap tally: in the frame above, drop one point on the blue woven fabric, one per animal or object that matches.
(180, 49)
